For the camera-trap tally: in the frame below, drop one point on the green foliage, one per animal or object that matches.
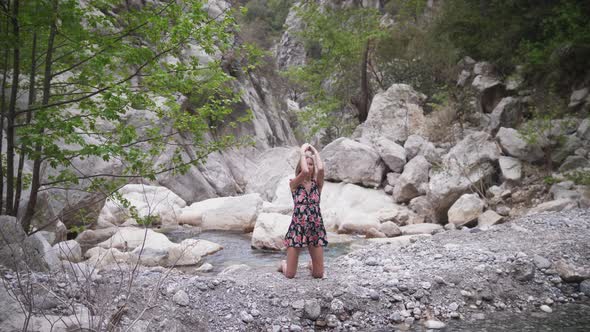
(112, 92)
(336, 40)
(551, 38)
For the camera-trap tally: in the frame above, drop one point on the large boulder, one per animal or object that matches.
(391, 153)
(352, 162)
(154, 203)
(511, 168)
(129, 238)
(68, 250)
(394, 114)
(508, 113)
(555, 205)
(412, 182)
(514, 145)
(583, 130)
(224, 213)
(190, 252)
(466, 209)
(469, 163)
(270, 231)
(490, 88)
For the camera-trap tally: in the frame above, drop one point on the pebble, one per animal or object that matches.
(479, 316)
(453, 306)
(455, 314)
(336, 306)
(374, 295)
(546, 308)
(254, 312)
(181, 298)
(409, 320)
(246, 317)
(425, 285)
(434, 324)
(331, 321)
(295, 328)
(466, 293)
(396, 317)
(549, 301)
(299, 304)
(312, 309)
(371, 261)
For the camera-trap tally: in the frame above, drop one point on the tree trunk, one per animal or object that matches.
(47, 76)
(31, 101)
(3, 111)
(11, 113)
(365, 99)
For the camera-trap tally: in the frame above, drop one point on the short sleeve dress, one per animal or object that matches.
(307, 225)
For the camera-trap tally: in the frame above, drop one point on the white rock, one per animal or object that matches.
(68, 250)
(467, 208)
(352, 162)
(514, 145)
(129, 238)
(270, 231)
(511, 168)
(409, 184)
(556, 205)
(391, 153)
(434, 324)
(394, 114)
(224, 213)
(488, 218)
(420, 229)
(150, 201)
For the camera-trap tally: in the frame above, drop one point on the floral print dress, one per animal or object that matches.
(307, 226)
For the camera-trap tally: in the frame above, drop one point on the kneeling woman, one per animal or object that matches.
(307, 227)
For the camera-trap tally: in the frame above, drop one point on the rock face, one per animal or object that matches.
(394, 114)
(270, 168)
(270, 231)
(290, 50)
(508, 113)
(224, 213)
(417, 145)
(352, 162)
(468, 163)
(159, 204)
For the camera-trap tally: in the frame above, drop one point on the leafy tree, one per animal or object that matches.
(340, 44)
(85, 67)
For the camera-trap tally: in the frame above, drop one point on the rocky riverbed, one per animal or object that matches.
(530, 266)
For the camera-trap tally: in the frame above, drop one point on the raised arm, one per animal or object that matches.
(319, 166)
(304, 169)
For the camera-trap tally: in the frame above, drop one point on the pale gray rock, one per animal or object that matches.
(463, 77)
(434, 324)
(423, 207)
(390, 229)
(511, 168)
(352, 162)
(574, 162)
(570, 272)
(417, 145)
(410, 182)
(312, 309)
(373, 233)
(578, 97)
(68, 250)
(583, 130)
(181, 298)
(270, 230)
(269, 169)
(483, 68)
(585, 287)
(393, 179)
(556, 205)
(420, 229)
(541, 262)
(336, 306)
(11, 231)
(290, 50)
(391, 153)
(466, 209)
(488, 218)
(508, 113)
(514, 145)
(394, 114)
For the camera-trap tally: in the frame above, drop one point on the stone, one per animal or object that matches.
(410, 183)
(453, 306)
(336, 306)
(524, 271)
(374, 295)
(352, 162)
(541, 262)
(68, 250)
(574, 162)
(393, 178)
(246, 317)
(514, 145)
(508, 113)
(420, 229)
(578, 97)
(466, 209)
(417, 145)
(237, 213)
(511, 168)
(423, 207)
(11, 231)
(374, 233)
(394, 114)
(312, 309)
(467, 164)
(392, 154)
(270, 230)
(463, 77)
(190, 252)
(488, 218)
(556, 205)
(159, 204)
(129, 238)
(585, 287)
(570, 272)
(206, 267)
(269, 168)
(390, 229)
(546, 308)
(181, 298)
(583, 131)
(434, 324)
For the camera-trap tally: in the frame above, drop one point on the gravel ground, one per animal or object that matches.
(533, 264)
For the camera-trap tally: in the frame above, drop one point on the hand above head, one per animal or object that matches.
(305, 147)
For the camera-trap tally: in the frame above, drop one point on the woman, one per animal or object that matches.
(307, 227)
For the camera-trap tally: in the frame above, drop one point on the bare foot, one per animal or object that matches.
(310, 266)
(282, 266)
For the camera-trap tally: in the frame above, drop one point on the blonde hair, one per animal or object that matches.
(298, 168)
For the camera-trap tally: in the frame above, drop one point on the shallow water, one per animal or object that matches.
(237, 250)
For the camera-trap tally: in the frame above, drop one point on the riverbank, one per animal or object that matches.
(535, 264)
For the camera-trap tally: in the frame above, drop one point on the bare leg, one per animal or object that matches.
(290, 266)
(317, 261)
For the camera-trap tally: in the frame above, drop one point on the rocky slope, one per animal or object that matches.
(533, 264)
